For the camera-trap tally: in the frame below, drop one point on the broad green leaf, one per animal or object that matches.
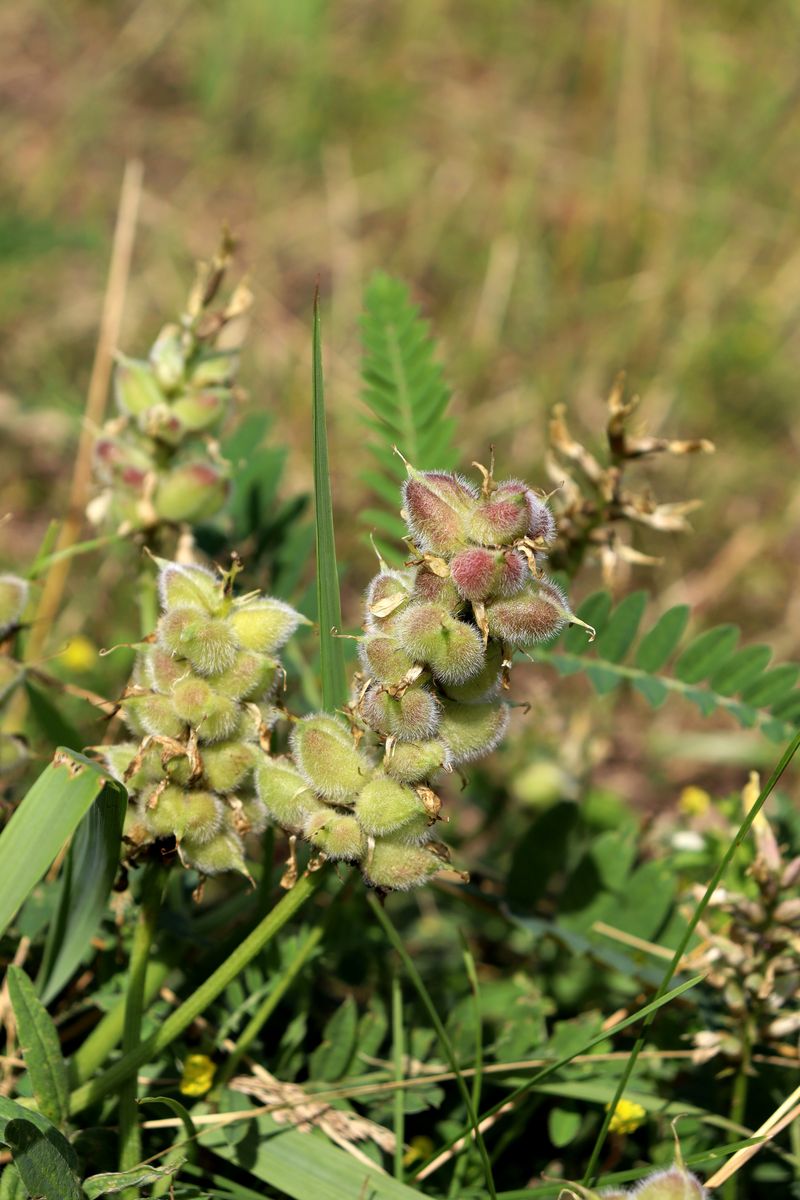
(658, 644)
(594, 611)
(44, 1168)
(771, 686)
(46, 817)
(334, 684)
(86, 881)
(333, 1056)
(11, 1111)
(617, 638)
(706, 654)
(563, 1125)
(740, 669)
(114, 1182)
(40, 1046)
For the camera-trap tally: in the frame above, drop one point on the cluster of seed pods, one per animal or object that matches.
(13, 597)
(156, 458)
(199, 704)
(435, 656)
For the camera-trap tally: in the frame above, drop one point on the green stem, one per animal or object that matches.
(92, 1091)
(152, 891)
(107, 1034)
(398, 1061)
(739, 1101)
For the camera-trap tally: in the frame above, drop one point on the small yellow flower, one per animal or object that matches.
(80, 654)
(198, 1075)
(694, 801)
(419, 1149)
(627, 1118)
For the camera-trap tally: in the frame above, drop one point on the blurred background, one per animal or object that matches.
(570, 187)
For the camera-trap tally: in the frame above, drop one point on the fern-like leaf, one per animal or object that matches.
(405, 392)
(709, 670)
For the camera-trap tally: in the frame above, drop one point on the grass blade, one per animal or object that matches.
(334, 684)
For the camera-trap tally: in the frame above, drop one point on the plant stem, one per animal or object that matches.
(398, 1061)
(739, 1100)
(86, 1095)
(153, 884)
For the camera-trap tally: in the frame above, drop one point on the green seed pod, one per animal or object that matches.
(437, 589)
(135, 386)
(284, 793)
(250, 677)
(228, 764)
(486, 684)
(437, 506)
(153, 714)
(411, 717)
(214, 717)
(169, 630)
(336, 834)
(223, 853)
(472, 730)
(674, 1184)
(384, 805)
(13, 597)
(264, 625)
(451, 648)
(10, 675)
(167, 358)
(162, 670)
(187, 586)
(117, 759)
(384, 659)
(122, 463)
(397, 866)
(532, 616)
(13, 752)
(190, 492)
(414, 762)
(215, 369)
(327, 759)
(163, 425)
(196, 815)
(134, 829)
(179, 769)
(200, 410)
(249, 815)
(479, 573)
(387, 595)
(209, 643)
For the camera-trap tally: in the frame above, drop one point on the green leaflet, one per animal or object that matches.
(46, 817)
(43, 1164)
(113, 1182)
(41, 1048)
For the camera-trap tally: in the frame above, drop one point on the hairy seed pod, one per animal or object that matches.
(504, 517)
(397, 866)
(486, 684)
(415, 762)
(264, 625)
(135, 387)
(472, 730)
(251, 676)
(10, 675)
(479, 573)
(13, 752)
(215, 369)
(179, 769)
(532, 616)
(167, 358)
(121, 463)
(284, 793)
(410, 717)
(13, 597)
(117, 760)
(214, 717)
(675, 1184)
(384, 805)
(327, 759)
(386, 597)
(182, 585)
(336, 834)
(223, 853)
(153, 714)
(171, 625)
(542, 525)
(438, 506)
(250, 816)
(437, 589)
(179, 813)
(227, 765)
(384, 659)
(190, 492)
(163, 670)
(451, 648)
(209, 644)
(198, 410)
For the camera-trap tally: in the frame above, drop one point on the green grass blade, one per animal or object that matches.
(86, 881)
(41, 1048)
(46, 817)
(334, 683)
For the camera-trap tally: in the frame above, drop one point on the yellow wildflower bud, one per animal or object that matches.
(694, 801)
(198, 1075)
(627, 1117)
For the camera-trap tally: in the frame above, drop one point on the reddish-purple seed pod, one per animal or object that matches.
(437, 506)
